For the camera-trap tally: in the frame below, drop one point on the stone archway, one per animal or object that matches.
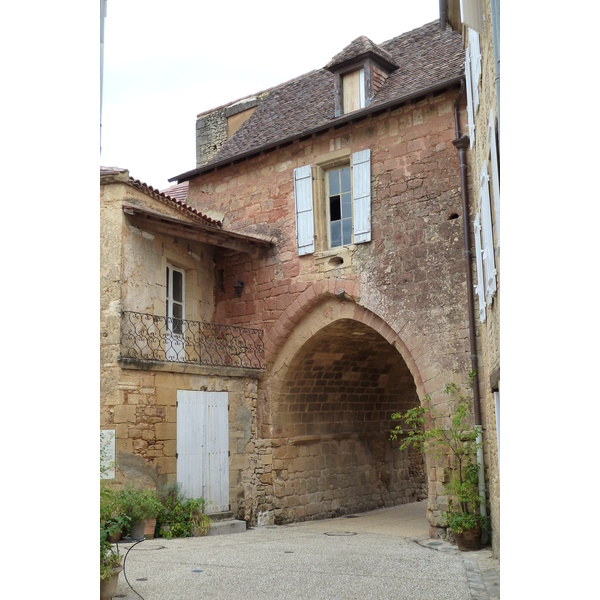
(332, 392)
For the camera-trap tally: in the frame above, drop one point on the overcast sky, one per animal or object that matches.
(165, 62)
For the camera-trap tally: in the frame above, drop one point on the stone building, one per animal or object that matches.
(479, 23)
(344, 188)
(157, 266)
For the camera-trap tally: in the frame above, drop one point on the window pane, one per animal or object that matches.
(177, 286)
(334, 182)
(336, 234)
(347, 231)
(346, 206)
(335, 209)
(345, 175)
(177, 311)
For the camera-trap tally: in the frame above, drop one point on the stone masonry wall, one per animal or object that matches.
(488, 338)
(144, 417)
(411, 275)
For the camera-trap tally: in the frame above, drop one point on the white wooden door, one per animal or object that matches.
(203, 447)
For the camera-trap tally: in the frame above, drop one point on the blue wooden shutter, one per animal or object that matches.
(470, 111)
(475, 66)
(489, 260)
(479, 288)
(361, 196)
(495, 173)
(305, 226)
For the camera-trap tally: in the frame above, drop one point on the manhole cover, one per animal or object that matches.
(434, 544)
(197, 571)
(339, 533)
(142, 579)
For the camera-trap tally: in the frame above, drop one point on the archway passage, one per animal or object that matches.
(331, 424)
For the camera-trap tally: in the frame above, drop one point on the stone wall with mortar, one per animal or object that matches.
(489, 336)
(409, 281)
(138, 400)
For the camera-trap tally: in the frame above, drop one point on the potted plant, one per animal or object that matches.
(181, 517)
(138, 505)
(112, 519)
(110, 560)
(110, 567)
(458, 442)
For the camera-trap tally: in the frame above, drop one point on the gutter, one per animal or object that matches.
(309, 132)
(462, 143)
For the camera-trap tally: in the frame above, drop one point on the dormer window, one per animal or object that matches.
(359, 71)
(353, 89)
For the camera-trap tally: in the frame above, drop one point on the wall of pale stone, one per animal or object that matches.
(488, 339)
(144, 417)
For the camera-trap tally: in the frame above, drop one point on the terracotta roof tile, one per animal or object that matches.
(163, 197)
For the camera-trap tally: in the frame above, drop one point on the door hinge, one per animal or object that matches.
(176, 455)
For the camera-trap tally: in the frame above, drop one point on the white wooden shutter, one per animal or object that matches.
(470, 112)
(495, 173)
(305, 226)
(361, 196)
(475, 52)
(479, 288)
(489, 260)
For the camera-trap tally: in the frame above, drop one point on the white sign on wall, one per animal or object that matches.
(107, 453)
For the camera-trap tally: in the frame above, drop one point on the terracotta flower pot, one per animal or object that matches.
(468, 540)
(108, 587)
(150, 527)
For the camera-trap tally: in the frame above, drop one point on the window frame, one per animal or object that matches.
(328, 196)
(169, 300)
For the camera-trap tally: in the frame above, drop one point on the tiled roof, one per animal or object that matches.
(426, 57)
(178, 191)
(169, 200)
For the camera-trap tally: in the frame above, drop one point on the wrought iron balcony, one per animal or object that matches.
(163, 339)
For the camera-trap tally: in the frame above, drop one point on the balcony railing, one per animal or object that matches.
(163, 339)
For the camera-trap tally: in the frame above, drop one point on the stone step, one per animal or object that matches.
(227, 526)
(221, 516)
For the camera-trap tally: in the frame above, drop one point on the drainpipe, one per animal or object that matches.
(461, 143)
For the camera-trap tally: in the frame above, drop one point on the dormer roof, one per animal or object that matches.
(361, 47)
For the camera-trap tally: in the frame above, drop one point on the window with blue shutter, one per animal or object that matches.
(470, 111)
(495, 173)
(305, 228)
(479, 287)
(489, 260)
(343, 205)
(361, 192)
(475, 53)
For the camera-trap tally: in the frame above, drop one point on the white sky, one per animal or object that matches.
(166, 62)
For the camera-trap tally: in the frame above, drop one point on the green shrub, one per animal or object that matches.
(138, 504)
(181, 517)
(459, 440)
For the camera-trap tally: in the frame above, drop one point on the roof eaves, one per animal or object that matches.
(373, 108)
(174, 202)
